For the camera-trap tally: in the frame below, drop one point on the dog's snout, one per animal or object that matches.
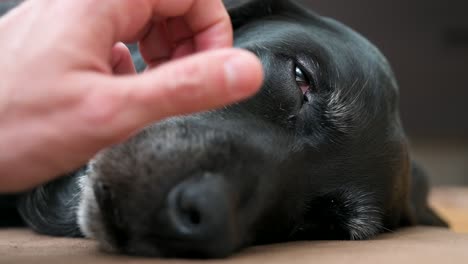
(198, 209)
(185, 176)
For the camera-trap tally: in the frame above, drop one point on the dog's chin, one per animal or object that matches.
(93, 226)
(88, 215)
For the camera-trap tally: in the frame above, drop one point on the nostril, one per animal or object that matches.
(189, 211)
(198, 217)
(184, 213)
(197, 206)
(194, 217)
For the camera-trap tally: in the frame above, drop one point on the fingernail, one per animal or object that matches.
(242, 74)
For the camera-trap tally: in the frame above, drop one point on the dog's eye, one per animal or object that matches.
(302, 82)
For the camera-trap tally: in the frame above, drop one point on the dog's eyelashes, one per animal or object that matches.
(302, 81)
(304, 84)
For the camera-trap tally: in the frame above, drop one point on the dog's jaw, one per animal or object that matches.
(351, 213)
(88, 216)
(366, 220)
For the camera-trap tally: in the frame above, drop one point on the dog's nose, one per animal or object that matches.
(198, 214)
(196, 207)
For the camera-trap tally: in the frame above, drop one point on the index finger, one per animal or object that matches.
(208, 20)
(108, 22)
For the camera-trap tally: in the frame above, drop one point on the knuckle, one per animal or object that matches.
(188, 77)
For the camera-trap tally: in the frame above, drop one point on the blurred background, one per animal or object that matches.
(426, 41)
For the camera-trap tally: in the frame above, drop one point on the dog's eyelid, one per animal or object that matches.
(302, 80)
(299, 74)
(311, 68)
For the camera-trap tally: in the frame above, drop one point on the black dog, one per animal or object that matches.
(319, 153)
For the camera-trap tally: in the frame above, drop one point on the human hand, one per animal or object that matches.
(68, 89)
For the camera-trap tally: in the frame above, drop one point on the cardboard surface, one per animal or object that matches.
(415, 245)
(452, 204)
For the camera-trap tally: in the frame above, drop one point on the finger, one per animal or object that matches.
(198, 26)
(155, 47)
(181, 36)
(167, 40)
(196, 83)
(107, 22)
(178, 30)
(121, 61)
(208, 20)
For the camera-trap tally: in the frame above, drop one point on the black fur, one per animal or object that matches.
(51, 209)
(330, 163)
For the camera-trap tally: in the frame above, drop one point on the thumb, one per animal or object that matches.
(121, 60)
(200, 82)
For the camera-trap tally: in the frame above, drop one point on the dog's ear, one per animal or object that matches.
(51, 208)
(242, 11)
(421, 211)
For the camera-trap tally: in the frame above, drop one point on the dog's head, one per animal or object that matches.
(318, 153)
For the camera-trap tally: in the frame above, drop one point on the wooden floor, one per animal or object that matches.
(452, 204)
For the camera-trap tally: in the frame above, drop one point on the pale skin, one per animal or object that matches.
(68, 87)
